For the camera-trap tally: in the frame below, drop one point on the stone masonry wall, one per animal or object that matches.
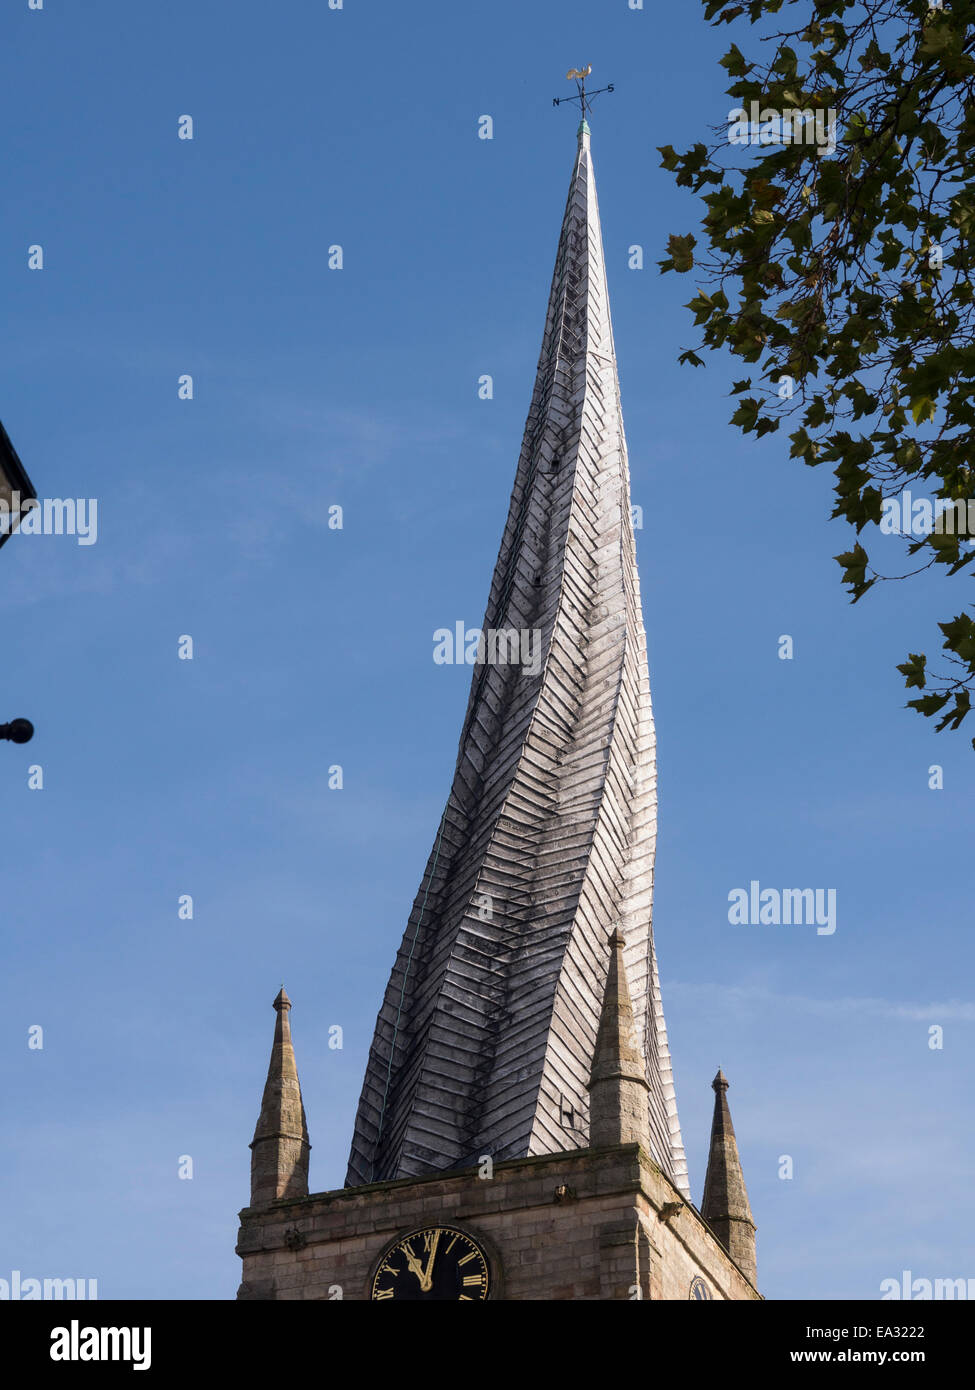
(609, 1237)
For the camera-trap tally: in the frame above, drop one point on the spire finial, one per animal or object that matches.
(583, 97)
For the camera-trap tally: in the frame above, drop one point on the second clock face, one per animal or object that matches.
(437, 1262)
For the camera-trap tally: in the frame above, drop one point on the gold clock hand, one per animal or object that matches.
(426, 1283)
(414, 1264)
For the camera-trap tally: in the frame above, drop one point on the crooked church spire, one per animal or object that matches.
(485, 1040)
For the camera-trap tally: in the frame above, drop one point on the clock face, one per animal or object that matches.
(437, 1262)
(699, 1288)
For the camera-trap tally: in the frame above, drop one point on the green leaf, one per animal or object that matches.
(681, 250)
(854, 564)
(734, 60)
(747, 414)
(913, 671)
(962, 707)
(928, 704)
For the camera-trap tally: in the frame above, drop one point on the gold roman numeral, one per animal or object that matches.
(477, 1279)
(468, 1258)
(384, 1293)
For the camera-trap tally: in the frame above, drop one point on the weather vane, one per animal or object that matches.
(583, 97)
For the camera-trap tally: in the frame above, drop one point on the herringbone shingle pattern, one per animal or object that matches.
(484, 1041)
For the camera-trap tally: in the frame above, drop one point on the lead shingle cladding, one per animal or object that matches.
(485, 1038)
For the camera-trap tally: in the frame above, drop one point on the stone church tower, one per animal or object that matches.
(517, 1133)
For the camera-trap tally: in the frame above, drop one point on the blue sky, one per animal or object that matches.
(313, 646)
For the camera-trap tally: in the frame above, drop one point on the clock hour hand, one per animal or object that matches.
(415, 1266)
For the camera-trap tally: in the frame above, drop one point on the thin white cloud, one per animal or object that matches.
(954, 1011)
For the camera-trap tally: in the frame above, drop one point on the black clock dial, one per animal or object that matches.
(437, 1262)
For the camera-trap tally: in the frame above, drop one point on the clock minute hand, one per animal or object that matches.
(426, 1282)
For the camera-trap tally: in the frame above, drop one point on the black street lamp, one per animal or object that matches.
(16, 489)
(17, 731)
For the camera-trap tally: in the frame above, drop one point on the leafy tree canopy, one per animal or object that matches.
(838, 260)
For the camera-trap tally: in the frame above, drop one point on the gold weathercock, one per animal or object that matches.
(584, 98)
